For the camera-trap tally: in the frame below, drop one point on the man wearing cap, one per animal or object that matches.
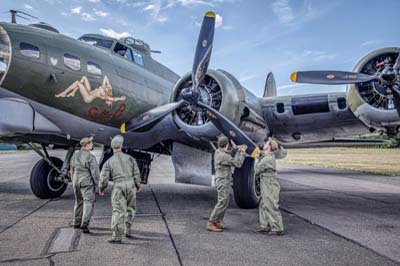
(224, 161)
(85, 176)
(123, 170)
(269, 213)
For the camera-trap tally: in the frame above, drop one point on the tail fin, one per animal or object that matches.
(270, 86)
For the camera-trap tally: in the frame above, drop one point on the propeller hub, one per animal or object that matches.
(388, 76)
(190, 95)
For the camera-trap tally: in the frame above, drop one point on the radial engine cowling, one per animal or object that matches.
(372, 102)
(224, 93)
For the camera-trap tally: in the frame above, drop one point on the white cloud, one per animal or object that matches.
(218, 21)
(76, 10)
(227, 27)
(291, 86)
(283, 11)
(87, 17)
(154, 10)
(172, 3)
(162, 19)
(137, 4)
(122, 22)
(370, 43)
(94, 1)
(101, 13)
(111, 33)
(149, 7)
(318, 55)
(28, 6)
(244, 78)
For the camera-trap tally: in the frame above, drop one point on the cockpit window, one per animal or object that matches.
(29, 50)
(97, 42)
(73, 62)
(123, 51)
(138, 58)
(94, 69)
(128, 55)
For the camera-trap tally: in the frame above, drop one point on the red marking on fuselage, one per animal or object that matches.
(94, 112)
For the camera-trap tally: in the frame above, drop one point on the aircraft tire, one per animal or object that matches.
(246, 189)
(42, 180)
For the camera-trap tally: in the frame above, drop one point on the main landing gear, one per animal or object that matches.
(246, 186)
(49, 176)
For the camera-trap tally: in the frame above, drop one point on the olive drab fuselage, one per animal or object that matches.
(39, 61)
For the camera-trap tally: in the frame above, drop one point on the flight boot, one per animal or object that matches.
(276, 233)
(219, 226)
(262, 230)
(113, 241)
(85, 228)
(212, 226)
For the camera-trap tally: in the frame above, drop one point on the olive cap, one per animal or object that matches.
(222, 141)
(85, 141)
(273, 143)
(117, 141)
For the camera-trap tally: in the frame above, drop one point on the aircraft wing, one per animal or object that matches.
(310, 118)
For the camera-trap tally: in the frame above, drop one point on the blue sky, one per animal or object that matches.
(252, 37)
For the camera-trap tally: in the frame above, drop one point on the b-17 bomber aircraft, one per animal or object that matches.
(56, 90)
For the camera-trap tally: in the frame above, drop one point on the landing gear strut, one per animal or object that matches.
(49, 176)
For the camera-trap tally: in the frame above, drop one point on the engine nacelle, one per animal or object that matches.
(224, 93)
(371, 102)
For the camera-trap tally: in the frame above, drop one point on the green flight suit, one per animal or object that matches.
(123, 170)
(85, 176)
(224, 161)
(269, 213)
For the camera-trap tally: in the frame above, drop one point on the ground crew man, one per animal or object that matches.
(123, 170)
(269, 214)
(224, 163)
(85, 176)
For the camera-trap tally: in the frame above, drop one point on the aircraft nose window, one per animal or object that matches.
(3, 67)
(138, 59)
(94, 69)
(73, 62)
(29, 50)
(123, 51)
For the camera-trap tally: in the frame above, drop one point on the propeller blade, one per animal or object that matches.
(330, 77)
(230, 130)
(148, 119)
(203, 49)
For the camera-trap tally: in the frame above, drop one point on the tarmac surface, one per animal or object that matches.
(331, 217)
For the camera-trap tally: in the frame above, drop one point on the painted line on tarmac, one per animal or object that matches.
(341, 236)
(136, 216)
(166, 225)
(26, 259)
(26, 215)
(62, 240)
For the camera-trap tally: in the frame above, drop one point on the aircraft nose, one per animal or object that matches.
(5, 53)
